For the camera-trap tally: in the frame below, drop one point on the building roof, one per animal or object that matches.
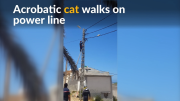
(92, 71)
(67, 72)
(98, 75)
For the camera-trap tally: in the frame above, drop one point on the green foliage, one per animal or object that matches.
(98, 98)
(73, 91)
(80, 93)
(115, 83)
(114, 98)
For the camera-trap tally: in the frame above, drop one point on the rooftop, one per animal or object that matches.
(93, 71)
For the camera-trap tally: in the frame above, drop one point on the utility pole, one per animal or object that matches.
(82, 63)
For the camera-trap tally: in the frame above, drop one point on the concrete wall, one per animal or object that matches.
(114, 89)
(73, 84)
(99, 84)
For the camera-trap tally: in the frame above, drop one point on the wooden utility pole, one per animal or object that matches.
(7, 78)
(82, 64)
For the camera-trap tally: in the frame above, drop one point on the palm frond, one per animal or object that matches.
(70, 61)
(32, 82)
(60, 3)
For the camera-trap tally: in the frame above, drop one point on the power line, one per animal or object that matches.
(102, 28)
(44, 67)
(99, 21)
(90, 37)
(102, 34)
(96, 30)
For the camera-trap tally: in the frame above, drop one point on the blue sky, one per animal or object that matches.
(148, 47)
(148, 61)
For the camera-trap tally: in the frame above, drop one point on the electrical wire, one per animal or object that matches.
(102, 34)
(100, 20)
(44, 67)
(102, 28)
(91, 37)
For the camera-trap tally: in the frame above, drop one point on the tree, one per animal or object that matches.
(33, 84)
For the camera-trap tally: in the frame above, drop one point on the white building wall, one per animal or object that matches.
(99, 84)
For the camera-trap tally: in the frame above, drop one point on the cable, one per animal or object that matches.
(102, 34)
(78, 58)
(102, 28)
(91, 37)
(44, 67)
(96, 30)
(99, 21)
